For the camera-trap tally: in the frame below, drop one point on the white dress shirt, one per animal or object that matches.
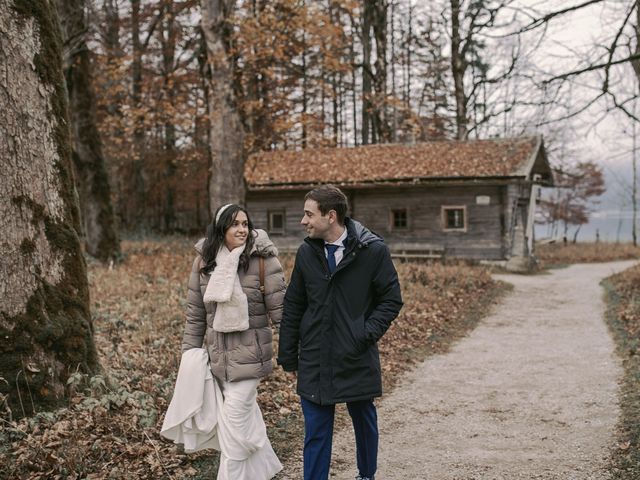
(340, 250)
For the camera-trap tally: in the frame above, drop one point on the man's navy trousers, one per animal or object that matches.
(318, 436)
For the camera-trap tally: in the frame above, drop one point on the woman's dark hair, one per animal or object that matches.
(215, 238)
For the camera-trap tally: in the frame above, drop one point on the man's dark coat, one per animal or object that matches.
(331, 323)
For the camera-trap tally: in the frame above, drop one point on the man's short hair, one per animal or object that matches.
(329, 198)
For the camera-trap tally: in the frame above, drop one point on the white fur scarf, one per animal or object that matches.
(232, 311)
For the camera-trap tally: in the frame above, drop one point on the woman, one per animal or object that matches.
(228, 311)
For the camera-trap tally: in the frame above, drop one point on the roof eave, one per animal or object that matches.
(527, 171)
(396, 182)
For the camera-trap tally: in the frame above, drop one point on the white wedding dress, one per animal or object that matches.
(207, 413)
(245, 450)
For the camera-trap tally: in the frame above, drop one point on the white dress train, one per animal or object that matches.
(245, 450)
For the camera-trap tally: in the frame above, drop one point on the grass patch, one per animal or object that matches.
(557, 255)
(623, 318)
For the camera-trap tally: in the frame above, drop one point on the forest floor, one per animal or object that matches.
(623, 317)
(110, 426)
(531, 393)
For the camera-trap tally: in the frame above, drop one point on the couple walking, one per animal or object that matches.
(342, 297)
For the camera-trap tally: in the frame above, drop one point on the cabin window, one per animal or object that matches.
(399, 219)
(276, 221)
(454, 218)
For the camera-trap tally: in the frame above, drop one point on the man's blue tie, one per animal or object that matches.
(331, 256)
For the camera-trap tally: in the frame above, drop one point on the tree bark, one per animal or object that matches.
(226, 181)
(392, 35)
(367, 75)
(354, 74)
(634, 186)
(381, 126)
(458, 68)
(634, 195)
(112, 29)
(168, 40)
(97, 215)
(114, 52)
(45, 324)
(374, 79)
(636, 63)
(138, 177)
(305, 88)
(257, 93)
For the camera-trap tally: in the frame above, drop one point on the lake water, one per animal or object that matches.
(612, 227)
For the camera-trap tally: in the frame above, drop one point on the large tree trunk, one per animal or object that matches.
(257, 93)
(381, 125)
(138, 177)
(45, 324)
(97, 216)
(374, 80)
(226, 180)
(458, 68)
(168, 39)
(636, 63)
(634, 187)
(305, 87)
(354, 73)
(367, 73)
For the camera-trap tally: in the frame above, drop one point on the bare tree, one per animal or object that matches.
(226, 175)
(374, 72)
(45, 322)
(458, 70)
(603, 64)
(577, 188)
(469, 28)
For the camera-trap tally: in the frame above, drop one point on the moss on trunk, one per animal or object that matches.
(53, 338)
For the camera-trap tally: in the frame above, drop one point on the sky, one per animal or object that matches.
(605, 138)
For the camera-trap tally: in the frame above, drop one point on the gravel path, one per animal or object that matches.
(529, 394)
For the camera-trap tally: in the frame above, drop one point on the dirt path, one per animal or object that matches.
(529, 394)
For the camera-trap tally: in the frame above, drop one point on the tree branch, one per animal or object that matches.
(538, 22)
(591, 68)
(612, 48)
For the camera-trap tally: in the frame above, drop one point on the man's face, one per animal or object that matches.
(315, 224)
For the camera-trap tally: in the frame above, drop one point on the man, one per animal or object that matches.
(343, 295)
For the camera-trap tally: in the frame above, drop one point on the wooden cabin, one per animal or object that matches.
(471, 199)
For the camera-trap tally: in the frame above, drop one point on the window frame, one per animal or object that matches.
(465, 218)
(392, 218)
(270, 229)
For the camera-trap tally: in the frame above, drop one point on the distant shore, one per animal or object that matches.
(611, 228)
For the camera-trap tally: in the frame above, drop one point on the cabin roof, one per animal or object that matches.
(500, 158)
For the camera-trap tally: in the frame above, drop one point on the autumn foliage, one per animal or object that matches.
(575, 196)
(627, 288)
(110, 428)
(623, 316)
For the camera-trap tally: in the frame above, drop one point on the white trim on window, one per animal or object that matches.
(458, 218)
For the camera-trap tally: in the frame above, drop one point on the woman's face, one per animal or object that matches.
(236, 234)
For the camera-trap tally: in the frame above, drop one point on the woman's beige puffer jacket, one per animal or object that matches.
(238, 355)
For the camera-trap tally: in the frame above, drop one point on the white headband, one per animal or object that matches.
(222, 209)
